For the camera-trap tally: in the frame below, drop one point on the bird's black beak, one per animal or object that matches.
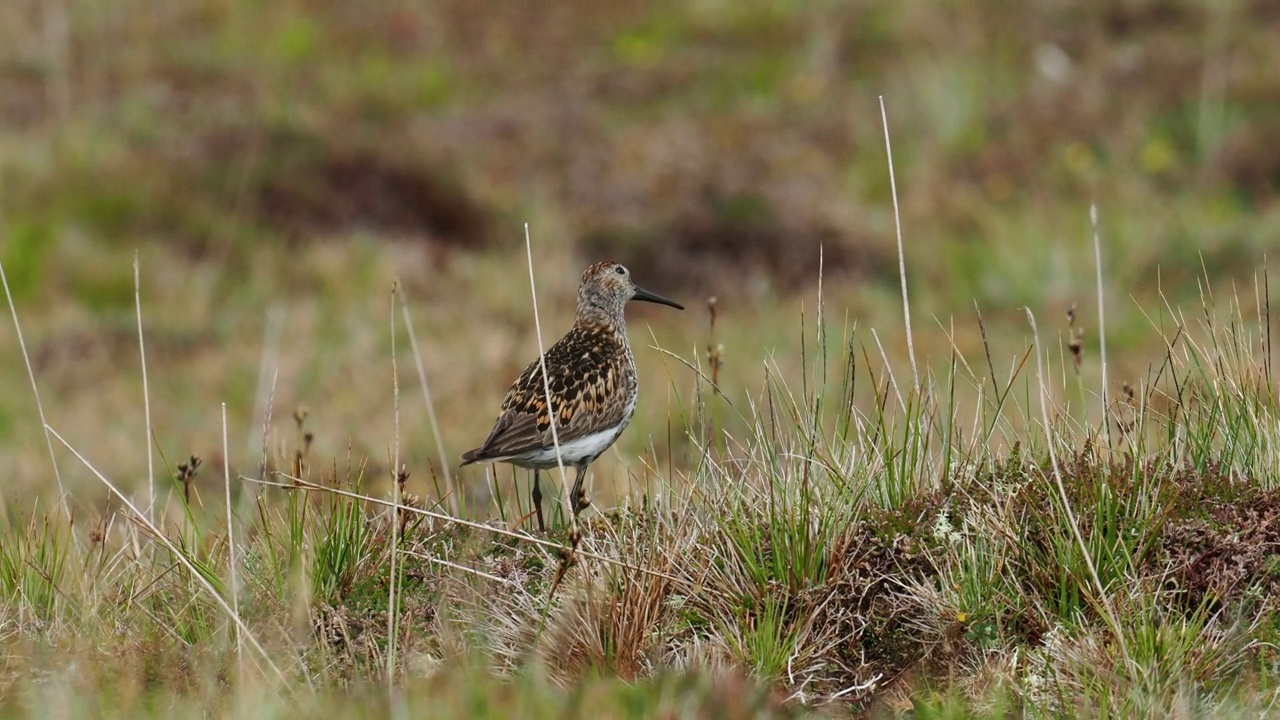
(646, 296)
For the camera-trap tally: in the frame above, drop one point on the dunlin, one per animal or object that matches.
(593, 384)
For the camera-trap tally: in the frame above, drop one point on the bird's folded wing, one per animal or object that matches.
(524, 426)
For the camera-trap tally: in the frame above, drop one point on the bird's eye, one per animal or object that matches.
(620, 270)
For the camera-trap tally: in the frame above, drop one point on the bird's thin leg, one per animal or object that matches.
(580, 500)
(537, 502)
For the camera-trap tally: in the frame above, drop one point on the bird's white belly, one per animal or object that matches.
(574, 451)
(587, 447)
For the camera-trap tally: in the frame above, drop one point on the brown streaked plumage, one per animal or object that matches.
(592, 376)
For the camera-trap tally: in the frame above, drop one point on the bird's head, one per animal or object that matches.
(607, 287)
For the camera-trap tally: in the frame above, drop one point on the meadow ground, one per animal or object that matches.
(800, 520)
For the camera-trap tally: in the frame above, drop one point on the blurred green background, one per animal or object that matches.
(277, 165)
